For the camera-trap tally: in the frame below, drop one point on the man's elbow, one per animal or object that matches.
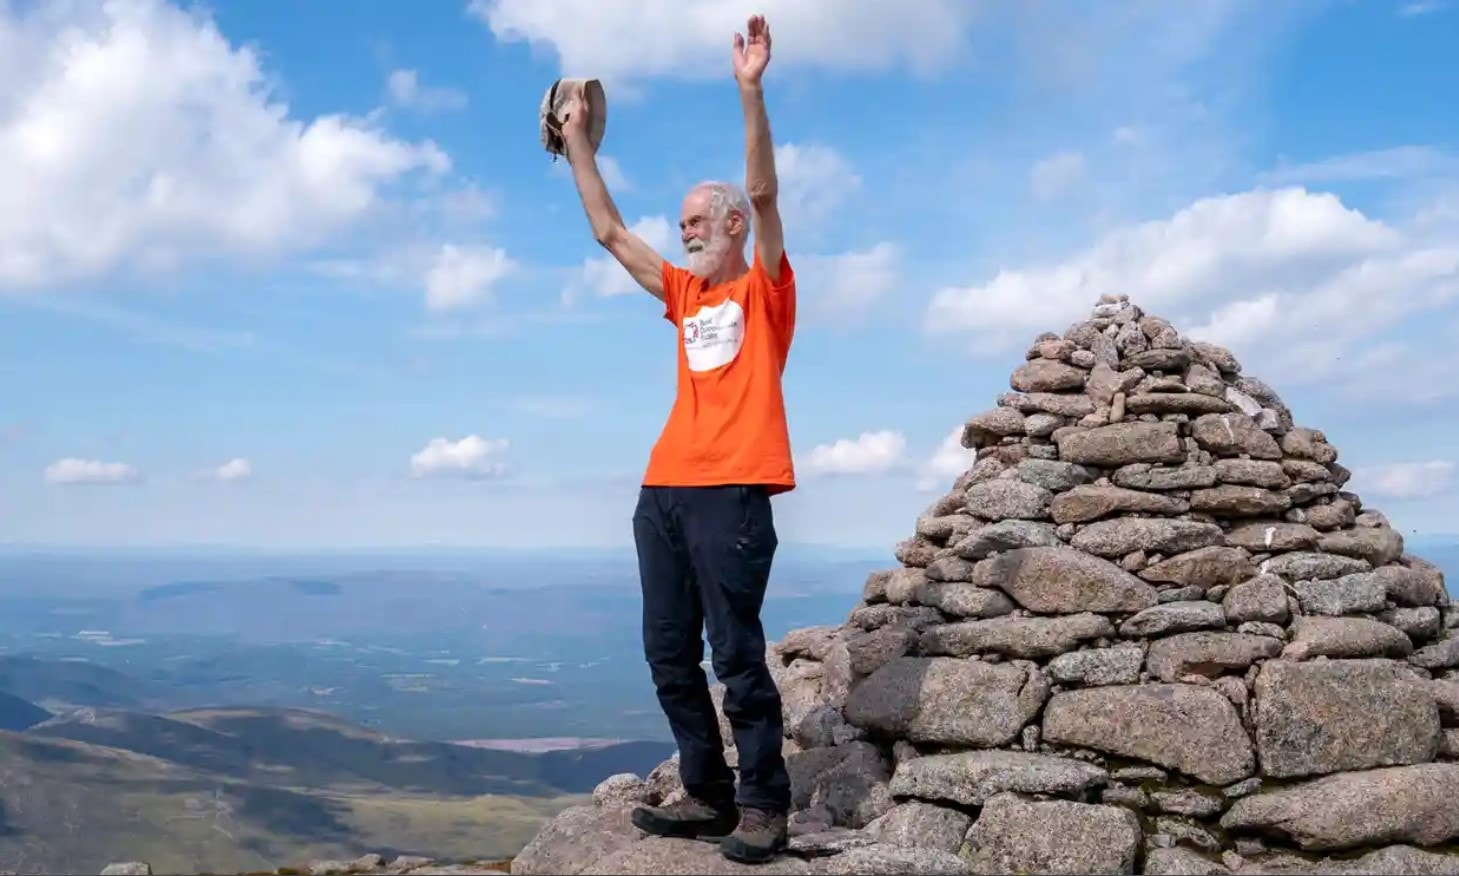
(762, 195)
(608, 235)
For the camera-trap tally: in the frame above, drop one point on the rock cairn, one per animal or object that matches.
(1148, 631)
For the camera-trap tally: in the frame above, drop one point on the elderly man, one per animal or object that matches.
(703, 526)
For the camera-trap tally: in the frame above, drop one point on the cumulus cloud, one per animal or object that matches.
(1295, 279)
(472, 457)
(135, 133)
(462, 276)
(692, 38)
(868, 453)
(1407, 480)
(404, 89)
(237, 469)
(840, 288)
(815, 181)
(72, 470)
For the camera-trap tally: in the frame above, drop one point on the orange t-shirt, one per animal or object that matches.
(728, 424)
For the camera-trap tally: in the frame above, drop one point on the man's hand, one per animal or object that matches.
(575, 125)
(752, 54)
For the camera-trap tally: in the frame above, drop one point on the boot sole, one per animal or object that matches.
(666, 827)
(743, 853)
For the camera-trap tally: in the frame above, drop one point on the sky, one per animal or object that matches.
(273, 275)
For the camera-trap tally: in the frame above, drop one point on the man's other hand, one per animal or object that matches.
(575, 124)
(752, 51)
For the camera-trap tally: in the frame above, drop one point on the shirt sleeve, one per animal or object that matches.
(780, 293)
(676, 284)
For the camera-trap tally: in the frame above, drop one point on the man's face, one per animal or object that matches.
(706, 239)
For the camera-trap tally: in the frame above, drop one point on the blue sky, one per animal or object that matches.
(275, 275)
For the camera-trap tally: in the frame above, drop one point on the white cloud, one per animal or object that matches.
(460, 276)
(1289, 278)
(471, 457)
(692, 38)
(237, 469)
(134, 133)
(840, 288)
(868, 453)
(1054, 175)
(1407, 480)
(404, 89)
(815, 181)
(602, 275)
(1399, 162)
(72, 470)
(948, 462)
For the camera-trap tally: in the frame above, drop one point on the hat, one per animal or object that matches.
(550, 117)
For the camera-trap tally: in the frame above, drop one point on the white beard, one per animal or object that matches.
(706, 258)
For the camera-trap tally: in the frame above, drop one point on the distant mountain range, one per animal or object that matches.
(237, 789)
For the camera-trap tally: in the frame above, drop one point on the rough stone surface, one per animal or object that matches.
(1148, 630)
(1017, 835)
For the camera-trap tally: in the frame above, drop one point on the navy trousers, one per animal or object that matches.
(704, 556)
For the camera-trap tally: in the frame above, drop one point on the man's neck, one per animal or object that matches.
(734, 267)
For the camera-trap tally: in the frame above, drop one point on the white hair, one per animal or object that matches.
(725, 198)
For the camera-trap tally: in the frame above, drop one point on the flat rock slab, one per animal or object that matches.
(974, 777)
(889, 860)
(1208, 653)
(1315, 636)
(1098, 666)
(965, 599)
(1313, 565)
(1060, 580)
(1397, 860)
(1015, 835)
(1025, 637)
(1008, 498)
(1174, 617)
(1115, 538)
(1091, 502)
(1121, 444)
(1406, 804)
(919, 824)
(1317, 718)
(1193, 730)
(948, 700)
(1262, 598)
(1275, 535)
(1205, 568)
(1144, 476)
(1006, 535)
(1232, 435)
(1362, 592)
(660, 856)
(576, 839)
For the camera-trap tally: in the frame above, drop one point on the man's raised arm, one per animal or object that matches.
(751, 55)
(641, 261)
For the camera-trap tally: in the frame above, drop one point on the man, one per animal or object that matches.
(703, 526)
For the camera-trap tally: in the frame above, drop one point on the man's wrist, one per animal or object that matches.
(750, 89)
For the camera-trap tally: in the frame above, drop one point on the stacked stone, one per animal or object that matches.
(1147, 631)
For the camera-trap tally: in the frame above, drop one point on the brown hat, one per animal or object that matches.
(550, 117)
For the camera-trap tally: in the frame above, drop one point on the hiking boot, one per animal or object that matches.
(687, 819)
(759, 836)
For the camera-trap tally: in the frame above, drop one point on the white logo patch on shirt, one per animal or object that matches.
(713, 336)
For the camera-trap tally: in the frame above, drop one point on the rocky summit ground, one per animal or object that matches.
(1148, 631)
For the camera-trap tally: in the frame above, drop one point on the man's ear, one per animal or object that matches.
(738, 225)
